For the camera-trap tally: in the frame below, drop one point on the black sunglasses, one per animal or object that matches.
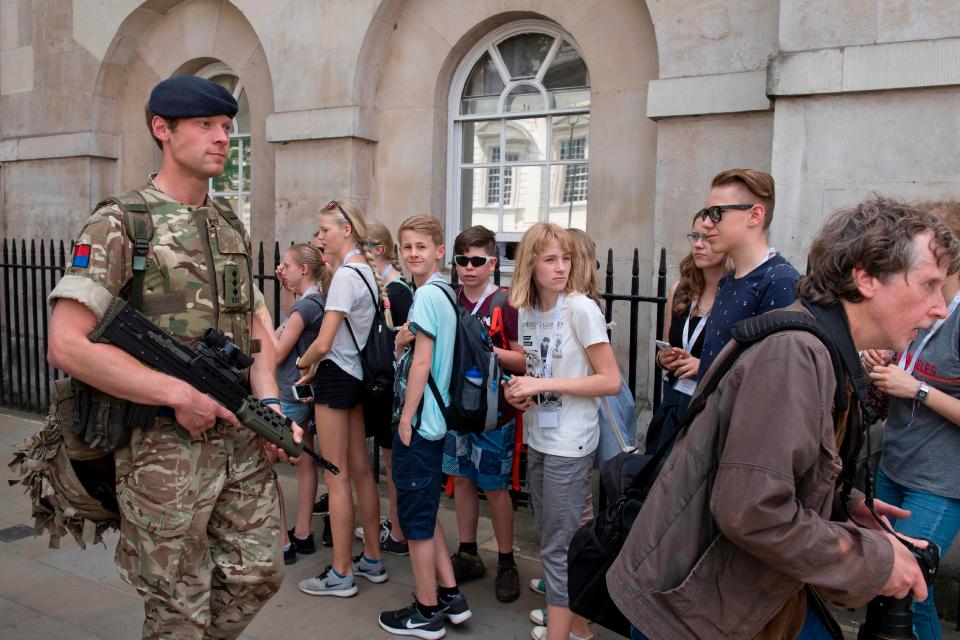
(716, 213)
(476, 261)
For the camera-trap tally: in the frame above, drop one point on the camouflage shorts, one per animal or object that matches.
(200, 532)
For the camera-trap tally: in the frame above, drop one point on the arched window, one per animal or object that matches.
(519, 133)
(233, 185)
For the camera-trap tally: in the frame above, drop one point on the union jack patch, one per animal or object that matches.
(81, 256)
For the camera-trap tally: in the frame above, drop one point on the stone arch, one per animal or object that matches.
(428, 39)
(160, 39)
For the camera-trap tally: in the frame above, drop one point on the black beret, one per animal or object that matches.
(191, 97)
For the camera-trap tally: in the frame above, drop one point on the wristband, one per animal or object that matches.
(270, 401)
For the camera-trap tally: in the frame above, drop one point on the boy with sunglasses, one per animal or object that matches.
(736, 219)
(485, 460)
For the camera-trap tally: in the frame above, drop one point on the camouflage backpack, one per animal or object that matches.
(68, 466)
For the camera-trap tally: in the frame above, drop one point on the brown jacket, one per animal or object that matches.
(739, 518)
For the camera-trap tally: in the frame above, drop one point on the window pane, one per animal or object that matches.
(568, 195)
(245, 159)
(567, 70)
(526, 139)
(570, 98)
(524, 54)
(475, 208)
(524, 97)
(570, 137)
(483, 88)
(479, 140)
(525, 203)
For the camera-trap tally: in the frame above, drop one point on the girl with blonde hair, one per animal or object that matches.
(333, 364)
(302, 272)
(570, 365)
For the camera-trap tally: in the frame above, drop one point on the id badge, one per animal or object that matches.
(685, 386)
(548, 418)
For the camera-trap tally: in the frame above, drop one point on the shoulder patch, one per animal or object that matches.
(81, 256)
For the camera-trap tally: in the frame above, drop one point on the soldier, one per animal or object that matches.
(200, 531)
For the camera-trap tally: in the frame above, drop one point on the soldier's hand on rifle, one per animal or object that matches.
(196, 412)
(275, 452)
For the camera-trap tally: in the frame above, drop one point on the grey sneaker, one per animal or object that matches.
(329, 584)
(455, 609)
(372, 571)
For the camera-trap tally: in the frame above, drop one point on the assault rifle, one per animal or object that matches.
(214, 369)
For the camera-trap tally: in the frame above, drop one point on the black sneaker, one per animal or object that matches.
(290, 554)
(305, 546)
(397, 548)
(326, 538)
(410, 622)
(467, 566)
(455, 608)
(507, 585)
(322, 506)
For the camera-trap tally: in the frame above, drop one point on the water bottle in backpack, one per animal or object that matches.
(473, 388)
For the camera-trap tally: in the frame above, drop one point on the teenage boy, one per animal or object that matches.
(485, 460)
(737, 216)
(427, 341)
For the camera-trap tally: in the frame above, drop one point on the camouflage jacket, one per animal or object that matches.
(181, 293)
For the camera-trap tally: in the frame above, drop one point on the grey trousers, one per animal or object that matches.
(559, 487)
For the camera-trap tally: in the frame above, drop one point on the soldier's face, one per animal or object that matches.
(199, 146)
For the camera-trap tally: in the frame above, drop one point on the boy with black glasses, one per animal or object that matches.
(738, 213)
(485, 460)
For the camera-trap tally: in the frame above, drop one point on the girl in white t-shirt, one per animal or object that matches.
(332, 363)
(564, 336)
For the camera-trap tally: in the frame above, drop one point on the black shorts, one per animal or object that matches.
(378, 418)
(335, 387)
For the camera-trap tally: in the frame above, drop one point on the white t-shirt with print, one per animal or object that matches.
(577, 432)
(349, 295)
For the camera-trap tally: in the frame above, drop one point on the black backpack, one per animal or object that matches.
(475, 378)
(627, 478)
(377, 356)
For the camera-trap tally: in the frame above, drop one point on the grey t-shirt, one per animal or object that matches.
(310, 309)
(922, 454)
(349, 295)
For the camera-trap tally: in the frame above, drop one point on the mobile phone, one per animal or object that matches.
(663, 345)
(302, 391)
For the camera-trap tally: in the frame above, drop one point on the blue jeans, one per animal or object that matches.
(932, 518)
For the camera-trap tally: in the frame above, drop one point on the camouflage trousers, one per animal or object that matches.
(200, 529)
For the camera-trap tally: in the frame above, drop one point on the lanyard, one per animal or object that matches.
(769, 254)
(350, 254)
(486, 294)
(547, 371)
(687, 339)
(923, 343)
(386, 272)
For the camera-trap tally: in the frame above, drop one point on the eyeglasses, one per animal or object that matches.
(716, 213)
(695, 237)
(476, 261)
(372, 245)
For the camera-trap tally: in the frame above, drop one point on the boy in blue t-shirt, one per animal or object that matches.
(427, 340)
(738, 213)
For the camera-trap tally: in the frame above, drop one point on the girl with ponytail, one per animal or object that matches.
(333, 364)
(302, 272)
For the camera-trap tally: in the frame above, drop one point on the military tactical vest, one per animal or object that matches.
(197, 271)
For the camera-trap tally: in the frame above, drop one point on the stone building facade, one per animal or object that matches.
(607, 114)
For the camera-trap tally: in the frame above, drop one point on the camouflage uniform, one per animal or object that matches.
(200, 527)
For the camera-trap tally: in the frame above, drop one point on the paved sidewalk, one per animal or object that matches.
(69, 593)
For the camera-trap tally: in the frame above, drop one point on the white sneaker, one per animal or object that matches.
(539, 617)
(385, 528)
(539, 585)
